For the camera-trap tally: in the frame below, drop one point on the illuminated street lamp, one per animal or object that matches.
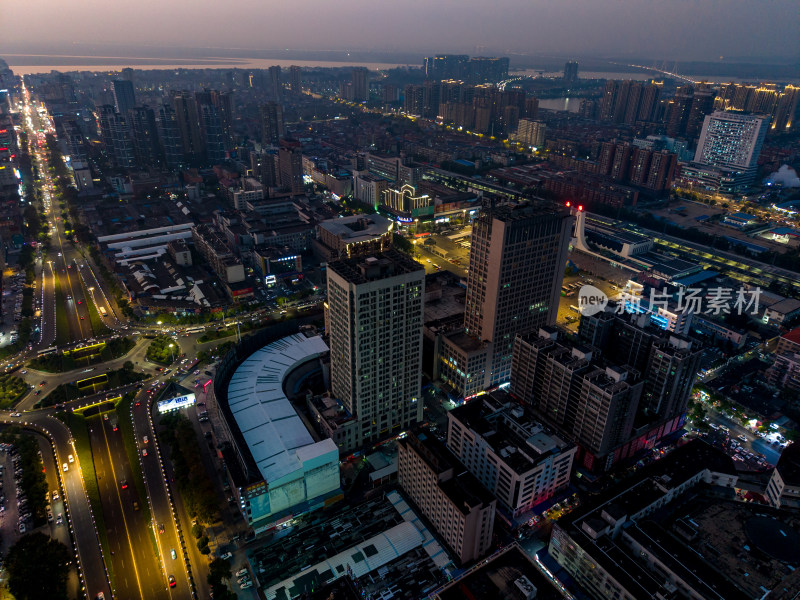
(171, 353)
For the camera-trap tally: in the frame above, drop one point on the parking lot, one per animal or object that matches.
(13, 284)
(9, 516)
(568, 315)
(15, 519)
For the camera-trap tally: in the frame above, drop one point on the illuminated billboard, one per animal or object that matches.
(175, 403)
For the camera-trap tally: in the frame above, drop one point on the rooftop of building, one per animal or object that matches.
(670, 552)
(381, 265)
(443, 301)
(506, 575)
(321, 546)
(532, 209)
(357, 228)
(741, 216)
(612, 379)
(332, 410)
(741, 549)
(275, 434)
(463, 488)
(466, 342)
(296, 226)
(343, 588)
(560, 349)
(519, 440)
(214, 294)
(786, 306)
(627, 237)
(372, 178)
(179, 245)
(642, 491)
(669, 266)
(637, 492)
(213, 237)
(361, 559)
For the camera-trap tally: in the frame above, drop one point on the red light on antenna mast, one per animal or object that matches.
(569, 204)
(580, 208)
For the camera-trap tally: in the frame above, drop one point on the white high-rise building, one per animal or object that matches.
(530, 133)
(375, 314)
(732, 141)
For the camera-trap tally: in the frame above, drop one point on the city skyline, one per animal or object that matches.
(482, 304)
(675, 31)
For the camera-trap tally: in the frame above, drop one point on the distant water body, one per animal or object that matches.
(31, 64)
(565, 104)
(24, 64)
(645, 75)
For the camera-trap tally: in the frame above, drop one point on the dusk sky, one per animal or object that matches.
(663, 29)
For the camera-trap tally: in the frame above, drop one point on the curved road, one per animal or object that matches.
(80, 519)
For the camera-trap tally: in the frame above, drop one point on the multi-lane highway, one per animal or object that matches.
(136, 564)
(67, 276)
(168, 537)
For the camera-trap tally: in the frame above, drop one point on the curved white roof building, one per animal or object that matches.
(298, 472)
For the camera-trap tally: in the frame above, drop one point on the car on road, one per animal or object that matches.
(241, 573)
(173, 554)
(246, 584)
(743, 438)
(65, 466)
(16, 415)
(145, 439)
(171, 580)
(71, 459)
(123, 484)
(144, 452)
(100, 596)
(42, 383)
(59, 519)
(160, 528)
(55, 496)
(226, 556)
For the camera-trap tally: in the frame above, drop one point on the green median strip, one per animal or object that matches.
(62, 324)
(98, 327)
(124, 408)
